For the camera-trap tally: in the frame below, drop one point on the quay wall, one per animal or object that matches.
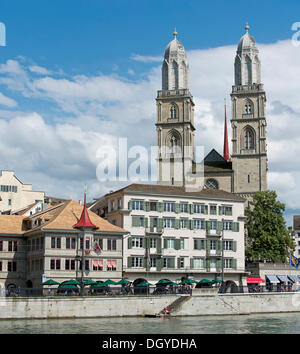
(206, 304)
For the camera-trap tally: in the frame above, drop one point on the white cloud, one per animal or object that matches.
(39, 70)
(6, 101)
(145, 58)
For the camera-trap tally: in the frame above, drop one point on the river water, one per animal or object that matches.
(242, 324)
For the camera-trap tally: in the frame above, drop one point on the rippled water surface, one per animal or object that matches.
(244, 324)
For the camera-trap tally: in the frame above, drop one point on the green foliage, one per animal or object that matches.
(267, 235)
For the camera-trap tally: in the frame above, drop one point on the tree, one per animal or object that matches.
(267, 235)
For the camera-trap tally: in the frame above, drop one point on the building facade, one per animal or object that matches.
(46, 245)
(175, 234)
(15, 195)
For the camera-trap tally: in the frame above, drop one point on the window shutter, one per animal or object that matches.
(234, 244)
(147, 242)
(235, 227)
(147, 206)
(160, 224)
(160, 207)
(159, 263)
(129, 262)
(207, 226)
(177, 208)
(130, 205)
(178, 263)
(165, 243)
(135, 221)
(219, 265)
(191, 208)
(191, 224)
(129, 245)
(191, 263)
(234, 266)
(177, 243)
(177, 223)
(219, 247)
(146, 222)
(171, 262)
(220, 210)
(151, 225)
(158, 245)
(219, 227)
(207, 261)
(206, 209)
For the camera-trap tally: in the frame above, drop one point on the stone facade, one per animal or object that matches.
(246, 172)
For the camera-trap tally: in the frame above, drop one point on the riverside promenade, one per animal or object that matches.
(181, 305)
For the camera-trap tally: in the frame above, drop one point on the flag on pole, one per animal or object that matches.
(294, 261)
(97, 248)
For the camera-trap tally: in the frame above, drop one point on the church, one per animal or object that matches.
(244, 172)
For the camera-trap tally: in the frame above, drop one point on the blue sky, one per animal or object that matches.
(75, 74)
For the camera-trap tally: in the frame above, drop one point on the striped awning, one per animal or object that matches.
(254, 280)
(272, 278)
(294, 278)
(283, 278)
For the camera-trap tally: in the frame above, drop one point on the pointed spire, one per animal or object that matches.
(247, 27)
(225, 148)
(85, 220)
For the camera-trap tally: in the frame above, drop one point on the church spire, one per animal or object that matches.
(85, 220)
(225, 148)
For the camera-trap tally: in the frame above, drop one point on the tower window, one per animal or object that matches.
(249, 140)
(248, 108)
(173, 112)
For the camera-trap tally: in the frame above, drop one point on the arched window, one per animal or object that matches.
(174, 141)
(248, 71)
(249, 140)
(173, 112)
(174, 144)
(212, 184)
(248, 108)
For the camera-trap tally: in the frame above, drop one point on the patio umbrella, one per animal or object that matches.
(123, 281)
(67, 286)
(50, 282)
(89, 282)
(110, 282)
(214, 281)
(188, 281)
(98, 284)
(143, 283)
(205, 281)
(71, 282)
(165, 282)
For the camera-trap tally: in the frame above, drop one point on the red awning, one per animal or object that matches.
(255, 280)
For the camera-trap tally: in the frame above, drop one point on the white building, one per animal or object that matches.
(175, 234)
(16, 195)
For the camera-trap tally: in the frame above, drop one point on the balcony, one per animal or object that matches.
(247, 88)
(166, 93)
(154, 230)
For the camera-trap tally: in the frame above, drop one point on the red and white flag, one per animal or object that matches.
(97, 248)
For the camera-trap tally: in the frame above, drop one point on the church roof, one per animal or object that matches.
(174, 49)
(214, 162)
(214, 156)
(247, 42)
(156, 189)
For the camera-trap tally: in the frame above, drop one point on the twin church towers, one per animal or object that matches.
(245, 172)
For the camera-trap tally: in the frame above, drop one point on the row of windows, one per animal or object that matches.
(182, 262)
(4, 188)
(11, 266)
(180, 244)
(95, 265)
(197, 208)
(12, 246)
(111, 244)
(183, 223)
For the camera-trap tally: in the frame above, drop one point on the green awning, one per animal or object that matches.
(205, 281)
(50, 282)
(143, 283)
(71, 282)
(67, 286)
(214, 281)
(89, 282)
(110, 282)
(123, 281)
(99, 285)
(188, 281)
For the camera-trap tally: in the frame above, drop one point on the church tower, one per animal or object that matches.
(175, 118)
(249, 148)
